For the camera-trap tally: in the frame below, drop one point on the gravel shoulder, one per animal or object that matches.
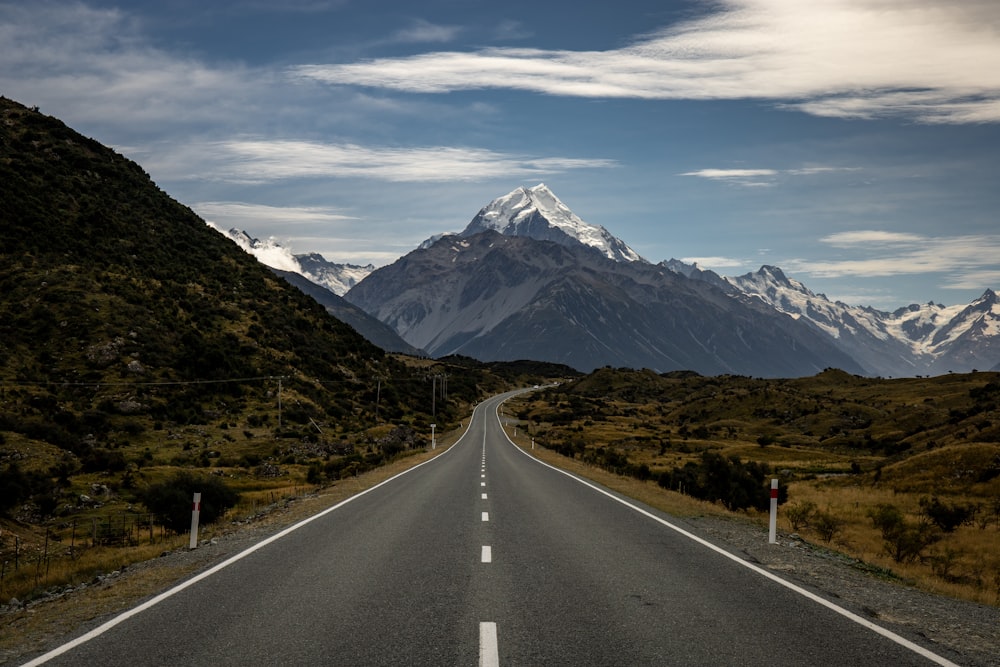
(963, 632)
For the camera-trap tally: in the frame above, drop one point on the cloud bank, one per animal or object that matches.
(926, 60)
(260, 161)
(968, 262)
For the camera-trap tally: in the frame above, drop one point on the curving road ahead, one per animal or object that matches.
(485, 556)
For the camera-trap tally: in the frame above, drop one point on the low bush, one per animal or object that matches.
(171, 500)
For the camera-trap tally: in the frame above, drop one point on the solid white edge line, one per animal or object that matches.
(888, 634)
(124, 616)
(488, 653)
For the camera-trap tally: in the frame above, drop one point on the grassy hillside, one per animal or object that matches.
(135, 342)
(904, 474)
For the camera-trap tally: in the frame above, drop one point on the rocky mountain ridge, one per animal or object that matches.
(497, 297)
(913, 340)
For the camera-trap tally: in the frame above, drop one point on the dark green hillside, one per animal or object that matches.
(135, 339)
(107, 280)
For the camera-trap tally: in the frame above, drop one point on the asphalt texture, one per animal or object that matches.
(396, 576)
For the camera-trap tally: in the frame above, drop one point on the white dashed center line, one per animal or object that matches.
(488, 654)
(487, 556)
(486, 516)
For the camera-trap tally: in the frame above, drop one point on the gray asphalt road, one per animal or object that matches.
(485, 556)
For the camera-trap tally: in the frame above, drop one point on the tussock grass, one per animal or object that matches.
(842, 443)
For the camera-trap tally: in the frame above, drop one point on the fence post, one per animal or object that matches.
(773, 530)
(195, 514)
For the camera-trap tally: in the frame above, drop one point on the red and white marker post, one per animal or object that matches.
(773, 531)
(195, 514)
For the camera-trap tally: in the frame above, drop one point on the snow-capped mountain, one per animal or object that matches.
(440, 302)
(338, 278)
(498, 297)
(914, 340)
(325, 282)
(538, 214)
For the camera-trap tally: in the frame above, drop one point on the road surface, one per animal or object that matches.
(485, 556)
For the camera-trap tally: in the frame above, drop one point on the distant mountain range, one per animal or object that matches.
(528, 278)
(325, 282)
(338, 278)
(922, 339)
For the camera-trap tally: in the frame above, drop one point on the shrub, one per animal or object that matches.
(735, 484)
(904, 541)
(947, 517)
(826, 525)
(800, 514)
(16, 485)
(171, 500)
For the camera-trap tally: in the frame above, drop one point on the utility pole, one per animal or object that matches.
(279, 402)
(378, 396)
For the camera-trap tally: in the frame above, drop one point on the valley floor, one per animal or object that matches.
(964, 632)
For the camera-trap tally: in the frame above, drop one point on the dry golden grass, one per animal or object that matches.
(844, 443)
(68, 556)
(971, 554)
(30, 629)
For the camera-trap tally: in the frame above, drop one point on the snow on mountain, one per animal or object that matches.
(338, 278)
(537, 213)
(501, 297)
(920, 338)
(917, 339)
(434, 239)
(268, 252)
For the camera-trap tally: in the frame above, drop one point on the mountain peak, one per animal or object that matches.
(537, 213)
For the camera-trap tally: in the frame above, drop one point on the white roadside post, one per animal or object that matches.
(433, 444)
(773, 532)
(195, 514)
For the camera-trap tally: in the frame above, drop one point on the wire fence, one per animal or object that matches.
(34, 562)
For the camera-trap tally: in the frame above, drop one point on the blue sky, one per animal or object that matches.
(854, 143)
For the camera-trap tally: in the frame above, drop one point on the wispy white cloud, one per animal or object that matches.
(727, 174)
(421, 31)
(242, 213)
(966, 261)
(94, 65)
(261, 161)
(715, 263)
(758, 177)
(922, 59)
(867, 237)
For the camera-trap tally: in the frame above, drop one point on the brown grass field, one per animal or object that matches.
(842, 446)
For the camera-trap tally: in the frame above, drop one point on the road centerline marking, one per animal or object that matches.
(487, 555)
(486, 516)
(488, 653)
